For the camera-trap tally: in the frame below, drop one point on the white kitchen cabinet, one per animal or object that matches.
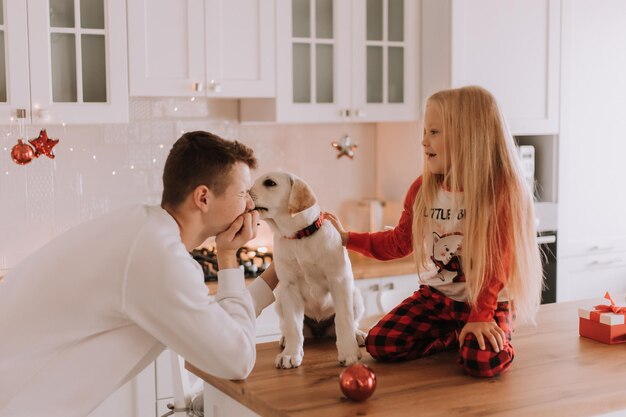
(268, 325)
(342, 60)
(63, 61)
(509, 47)
(591, 143)
(397, 287)
(591, 276)
(592, 232)
(213, 48)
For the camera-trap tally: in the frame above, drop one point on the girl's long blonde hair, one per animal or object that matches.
(500, 239)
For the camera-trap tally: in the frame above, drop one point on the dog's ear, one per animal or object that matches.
(301, 197)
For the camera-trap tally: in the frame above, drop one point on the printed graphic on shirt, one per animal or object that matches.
(446, 256)
(444, 214)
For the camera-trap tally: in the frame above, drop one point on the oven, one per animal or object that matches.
(547, 245)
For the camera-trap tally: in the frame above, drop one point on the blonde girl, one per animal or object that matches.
(475, 241)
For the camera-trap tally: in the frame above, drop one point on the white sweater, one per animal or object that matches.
(87, 312)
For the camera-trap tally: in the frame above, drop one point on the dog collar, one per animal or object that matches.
(309, 230)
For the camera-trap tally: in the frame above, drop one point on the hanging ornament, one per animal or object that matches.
(43, 144)
(22, 153)
(345, 147)
(357, 382)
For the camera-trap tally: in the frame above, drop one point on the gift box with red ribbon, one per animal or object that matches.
(604, 323)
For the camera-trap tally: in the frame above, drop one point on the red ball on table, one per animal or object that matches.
(357, 382)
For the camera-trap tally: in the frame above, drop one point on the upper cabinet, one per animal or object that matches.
(342, 60)
(512, 48)
(63, 61)
(214, 48)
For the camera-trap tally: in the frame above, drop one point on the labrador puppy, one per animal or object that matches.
(316, 295)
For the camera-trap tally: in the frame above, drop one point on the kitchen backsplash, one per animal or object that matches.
(103, 167)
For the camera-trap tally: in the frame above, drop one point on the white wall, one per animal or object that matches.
(399, 161)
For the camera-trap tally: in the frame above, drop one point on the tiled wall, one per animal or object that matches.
(102, 167)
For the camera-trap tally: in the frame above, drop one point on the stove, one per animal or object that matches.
(253, 261)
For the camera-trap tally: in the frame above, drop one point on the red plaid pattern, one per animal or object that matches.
(429, 322)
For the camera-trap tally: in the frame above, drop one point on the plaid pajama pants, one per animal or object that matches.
(429, 322)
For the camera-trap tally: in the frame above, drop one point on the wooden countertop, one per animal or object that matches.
(364, 267)
(555, 372)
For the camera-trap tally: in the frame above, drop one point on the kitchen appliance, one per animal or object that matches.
(547, 245)
(526, 155)
(252, 261)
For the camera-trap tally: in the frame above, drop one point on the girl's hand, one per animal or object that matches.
(337, 224)
(482, 330)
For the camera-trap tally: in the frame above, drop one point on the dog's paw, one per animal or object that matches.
(349, 359)
(360, 337)
(286, 361)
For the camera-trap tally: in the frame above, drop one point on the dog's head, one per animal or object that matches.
(280, 193)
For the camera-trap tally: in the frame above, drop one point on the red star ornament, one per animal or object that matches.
(43, 144)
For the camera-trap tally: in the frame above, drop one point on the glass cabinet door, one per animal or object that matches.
(385, 60)
(313, 47)
(343, 60)
(77, 48)
(385, 45)
(313, 55)
(78, 61)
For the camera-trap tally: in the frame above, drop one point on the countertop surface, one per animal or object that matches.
(363, 267)
(555, 372)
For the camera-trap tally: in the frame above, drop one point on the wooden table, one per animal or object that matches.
(555, 372)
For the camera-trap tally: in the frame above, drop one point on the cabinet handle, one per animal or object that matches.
(344, 112)
(359, 113)
(389, 286)
(607, 262)
(43, 114)
(374, 287)
(215, 86)
(20, 113)
(198, 87)
(601, 248)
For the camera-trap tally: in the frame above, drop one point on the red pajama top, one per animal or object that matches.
(445, 245)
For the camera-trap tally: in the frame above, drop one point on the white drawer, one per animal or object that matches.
(590, 246)
(591, 276)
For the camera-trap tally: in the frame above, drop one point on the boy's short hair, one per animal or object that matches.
(201, 158)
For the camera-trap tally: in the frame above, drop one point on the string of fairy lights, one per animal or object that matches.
(23, 151)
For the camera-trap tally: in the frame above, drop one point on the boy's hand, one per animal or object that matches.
(243, 229)
(482, 330)
(337, 224)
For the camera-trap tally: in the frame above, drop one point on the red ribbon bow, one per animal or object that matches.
(611, 308)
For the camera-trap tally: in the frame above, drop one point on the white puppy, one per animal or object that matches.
(313, 268)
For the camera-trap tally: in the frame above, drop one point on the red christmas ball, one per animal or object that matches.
(22, 153)
(357, 382)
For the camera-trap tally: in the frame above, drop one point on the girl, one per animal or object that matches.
(475, 241)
